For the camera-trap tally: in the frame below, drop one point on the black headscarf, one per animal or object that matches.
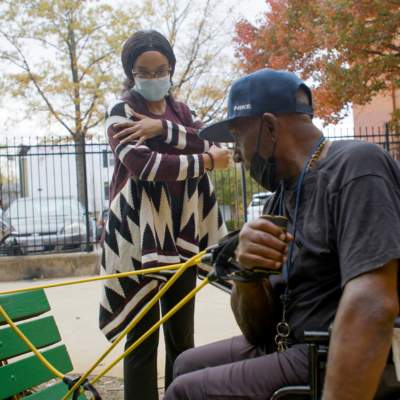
(138, 43)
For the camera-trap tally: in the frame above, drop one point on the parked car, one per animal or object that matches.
(9, 245)
(47, 224)
(255, 208)
(101, 223)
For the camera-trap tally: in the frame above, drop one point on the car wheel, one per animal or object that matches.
(85, 248)
(15, 250)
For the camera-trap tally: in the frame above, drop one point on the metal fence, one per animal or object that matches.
(54, 196)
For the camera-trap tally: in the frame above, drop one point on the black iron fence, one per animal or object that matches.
(54, 196)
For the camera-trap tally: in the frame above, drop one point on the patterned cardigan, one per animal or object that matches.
(141, 231)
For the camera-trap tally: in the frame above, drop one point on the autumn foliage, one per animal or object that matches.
(349, 49)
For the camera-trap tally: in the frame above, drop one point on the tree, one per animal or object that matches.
(65, 52)
(350, 49)
(199, 31)
(65, 58)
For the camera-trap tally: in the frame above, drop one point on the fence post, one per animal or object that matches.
(387, 134)
(244, 191)
(85, 183)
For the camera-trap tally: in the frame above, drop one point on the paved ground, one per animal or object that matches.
(76, 309)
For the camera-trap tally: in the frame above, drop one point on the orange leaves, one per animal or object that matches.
(349, 48)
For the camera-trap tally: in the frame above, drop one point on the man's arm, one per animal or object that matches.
(362, 334)
(254, 309)
(262, 244)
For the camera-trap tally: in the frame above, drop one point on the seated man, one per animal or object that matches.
(340, 259)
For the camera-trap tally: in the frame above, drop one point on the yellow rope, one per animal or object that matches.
(189, 263)
(138, 342)
(32, 347)
(97, 278)
(182, 268)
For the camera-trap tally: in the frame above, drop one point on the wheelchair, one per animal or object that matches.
(318, 342)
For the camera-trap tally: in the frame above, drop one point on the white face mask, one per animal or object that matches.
(153, 89)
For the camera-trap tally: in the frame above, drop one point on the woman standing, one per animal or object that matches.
(163, 209)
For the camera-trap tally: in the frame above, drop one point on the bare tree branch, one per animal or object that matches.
(95, 123)
(44, 41)
(94, 62)
(86, 39)
(8, 57)
(89, 112)
(74, 74)
(32, 77)
(195, 46)
(177, 19)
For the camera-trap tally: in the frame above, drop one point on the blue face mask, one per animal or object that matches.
(153, 89)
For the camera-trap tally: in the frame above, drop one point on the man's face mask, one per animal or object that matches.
(263, 171)
(153, 89)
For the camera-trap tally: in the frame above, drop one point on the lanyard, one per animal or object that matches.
(283, 328)
(299, 186)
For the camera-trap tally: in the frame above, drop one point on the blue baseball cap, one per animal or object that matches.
(265, 90)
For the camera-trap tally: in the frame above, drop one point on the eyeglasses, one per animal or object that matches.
(151, 75)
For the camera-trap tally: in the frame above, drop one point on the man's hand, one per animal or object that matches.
(141, 130)
(262, 244)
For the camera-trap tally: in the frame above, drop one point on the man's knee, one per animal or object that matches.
(175, 391)
(185, 387)
(183, 364)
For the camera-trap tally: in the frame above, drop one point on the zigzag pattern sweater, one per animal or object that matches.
(163, 209)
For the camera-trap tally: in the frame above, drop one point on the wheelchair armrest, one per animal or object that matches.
(317, 337)
(294, 392)
(322, 337)
(318, 342)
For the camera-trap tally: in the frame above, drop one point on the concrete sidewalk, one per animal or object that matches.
(76, 312)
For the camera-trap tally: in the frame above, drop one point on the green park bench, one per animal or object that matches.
(20, 370)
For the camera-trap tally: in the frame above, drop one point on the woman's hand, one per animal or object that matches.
(145, 128)
(221, 157)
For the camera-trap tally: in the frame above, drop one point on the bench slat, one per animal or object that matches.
(29, 372)
(24, 305)
(55, 392)
(41, 332)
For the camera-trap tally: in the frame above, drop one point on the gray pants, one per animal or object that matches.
(235, 369)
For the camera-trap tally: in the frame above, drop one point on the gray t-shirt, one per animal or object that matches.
(348, 224)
